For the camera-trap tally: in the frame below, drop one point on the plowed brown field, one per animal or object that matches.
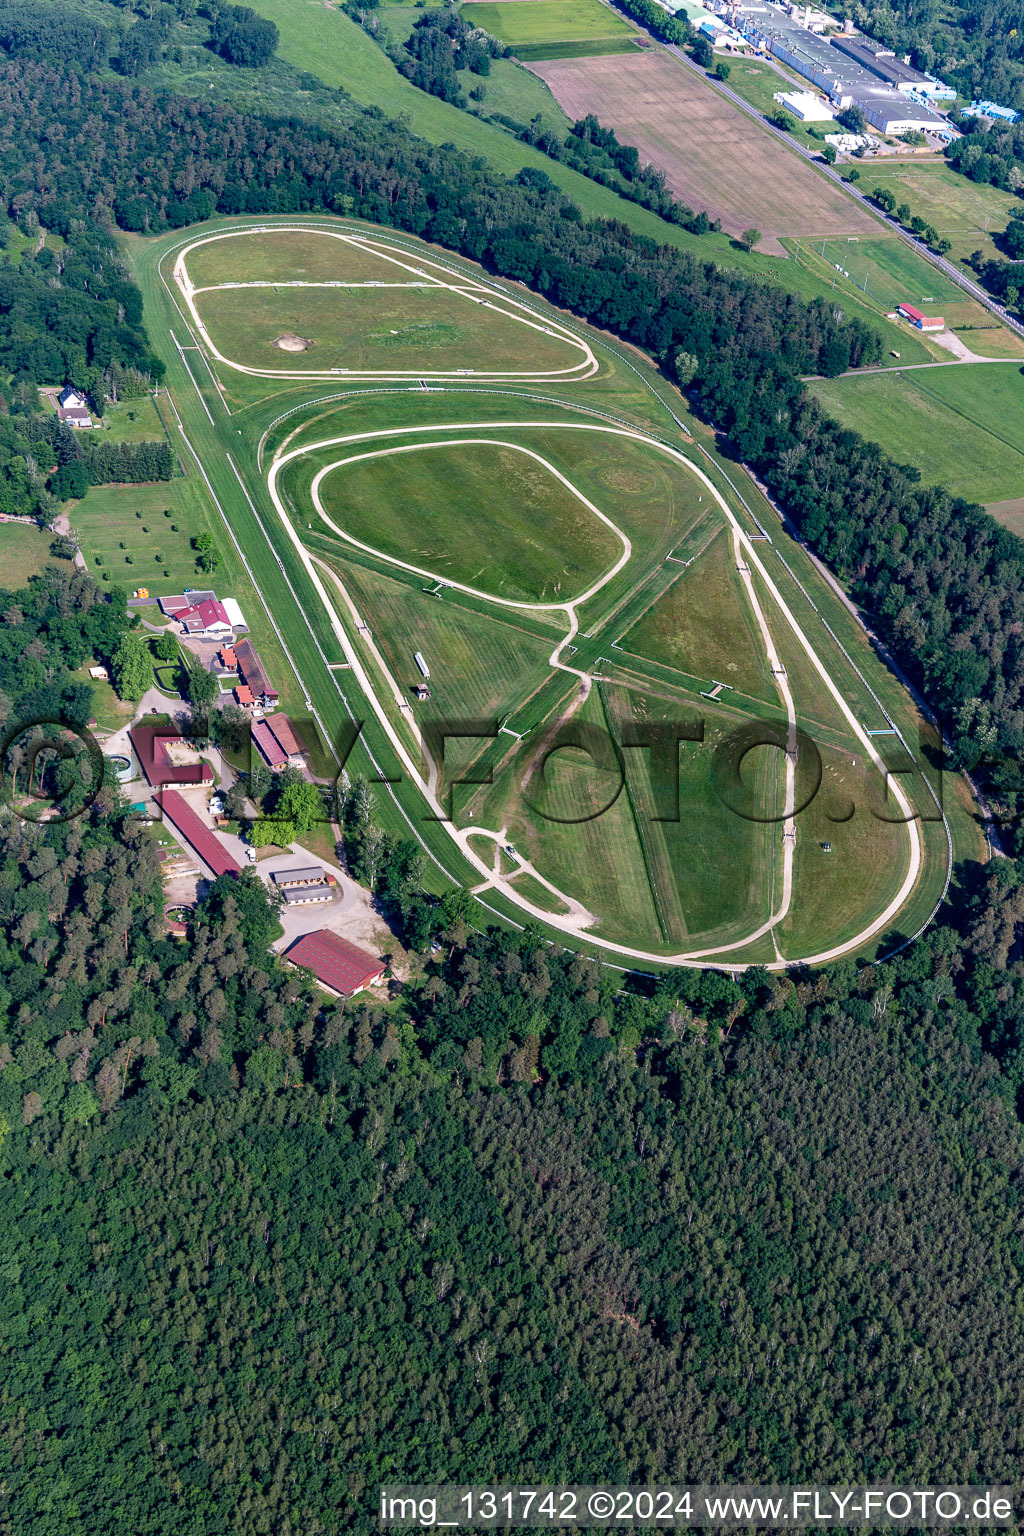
(713, 155)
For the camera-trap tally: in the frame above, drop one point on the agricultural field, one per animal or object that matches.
(325, 42)
(962, 426)
(582, 592)
(536, 25)
(713, 155)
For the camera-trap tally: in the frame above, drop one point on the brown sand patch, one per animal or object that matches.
(292, 343)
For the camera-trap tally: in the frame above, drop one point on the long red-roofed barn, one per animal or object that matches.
(199, 838)
(339, 966)
(253, 672)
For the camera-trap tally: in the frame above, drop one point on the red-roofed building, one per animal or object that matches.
(268, 747)
(154, 747)
(197, 835)
(288, 738)
(228, 659)
(923, 322)
(254, 673)
(243, 696)
(206, 618)
(337, 965)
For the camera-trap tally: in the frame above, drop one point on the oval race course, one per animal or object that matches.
(425, 274)
(577, 918)
(427, 786)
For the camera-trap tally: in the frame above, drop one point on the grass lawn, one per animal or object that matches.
(965, 212)
(703, 626)
(548, 21)
(132, 421)
(517, 93)
(594, 857)
(23, 553)
(962, 427)
(592, 50)
(488, 516)
(865, 867)
(479, 666)
(109, 516)
(279, 255)
(710, 871)
(386, 330)
(886, 272)
(109, 712)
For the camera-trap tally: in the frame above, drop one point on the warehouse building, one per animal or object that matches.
(881, 61)
(847, 78)
(806, 106)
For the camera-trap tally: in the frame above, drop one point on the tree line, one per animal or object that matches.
(112, 464)
(917, 557)
(595, 151)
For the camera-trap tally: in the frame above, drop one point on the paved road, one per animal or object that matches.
(947, 268)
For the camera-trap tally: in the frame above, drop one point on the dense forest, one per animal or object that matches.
(69, 313)
(265, 1251)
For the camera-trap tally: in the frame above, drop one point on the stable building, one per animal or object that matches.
(268, 746)
(201, 840)
(166, 758)
(300, 887)
(339, 966)
(171, 606)
(288, 738)
(205, 618)
(253, 673)
(922, 322)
